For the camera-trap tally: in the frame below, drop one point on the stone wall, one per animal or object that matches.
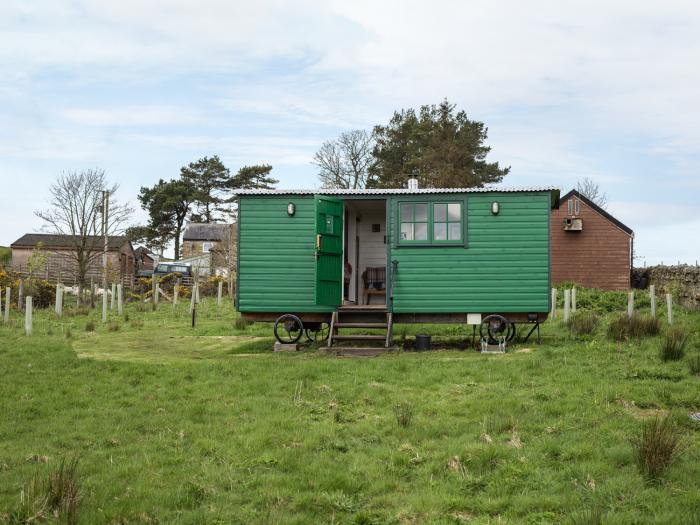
(682, 281)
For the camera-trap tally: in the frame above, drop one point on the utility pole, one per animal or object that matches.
(105, 230)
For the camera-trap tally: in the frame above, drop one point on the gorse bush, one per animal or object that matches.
(657, 446)
(113, 326)
(42, 291)
(583, 322)
(90, 326)
(672, 346)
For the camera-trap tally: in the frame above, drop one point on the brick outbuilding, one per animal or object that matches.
(590, 247)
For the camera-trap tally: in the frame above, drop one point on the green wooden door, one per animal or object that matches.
(329, 250)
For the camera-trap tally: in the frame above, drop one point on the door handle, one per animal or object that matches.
(318, 241)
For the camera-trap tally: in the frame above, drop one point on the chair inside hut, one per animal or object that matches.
(364, 272)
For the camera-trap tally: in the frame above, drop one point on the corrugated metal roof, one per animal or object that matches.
(397, 191)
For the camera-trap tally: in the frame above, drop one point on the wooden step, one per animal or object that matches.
(361, 325)
(353, 351)
(359, 337)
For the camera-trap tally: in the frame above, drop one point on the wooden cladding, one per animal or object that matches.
(596, 256)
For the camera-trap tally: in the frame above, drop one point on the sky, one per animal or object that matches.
(601, 89)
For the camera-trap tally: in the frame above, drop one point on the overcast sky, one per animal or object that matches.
(607, 90)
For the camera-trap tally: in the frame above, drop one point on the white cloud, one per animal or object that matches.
(131, 116)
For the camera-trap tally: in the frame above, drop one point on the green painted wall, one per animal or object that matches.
(277, 255)
(504, 267)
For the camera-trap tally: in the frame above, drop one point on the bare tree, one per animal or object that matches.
(344, 162)
(75, 210)
(591, 190)
(227, 253)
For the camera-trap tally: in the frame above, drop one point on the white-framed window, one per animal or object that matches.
(573, 207)
(207, 246)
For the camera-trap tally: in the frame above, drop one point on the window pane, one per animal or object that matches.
(455, 231)
(421, 231)
(329, 223)
(421, 213)
(440, 231)
(406, 212)
(406, 231)
(440, 213)
(454, 212)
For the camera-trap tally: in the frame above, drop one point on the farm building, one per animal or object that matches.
(62, 264)
(210, 247)
(346, 257)
(590, 247)
(145, 259)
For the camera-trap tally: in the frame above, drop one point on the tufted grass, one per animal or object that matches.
(207, 425)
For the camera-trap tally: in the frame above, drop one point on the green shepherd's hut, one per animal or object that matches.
(318, 261)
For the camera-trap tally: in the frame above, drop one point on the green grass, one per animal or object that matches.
(179, 425)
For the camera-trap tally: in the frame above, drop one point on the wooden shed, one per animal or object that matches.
(590, 247)
(61, 262)
(393, 255)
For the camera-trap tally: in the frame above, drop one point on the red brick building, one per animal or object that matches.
(590, 247)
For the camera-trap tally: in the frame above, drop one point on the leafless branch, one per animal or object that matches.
(344, 162)
(590, 189)
(75, 210)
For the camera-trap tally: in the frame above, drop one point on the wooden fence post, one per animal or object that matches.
(573, 300)
(219, 292)
(652, 299)
(156, 292)
(113, 298)
(669, 307)
(28, 316)
(20, 295)
(196, 287)
(176, 291)
(8, 294)
(120, 303)
(567, 305)
(192, 298)
(554, 302)
(630, 304)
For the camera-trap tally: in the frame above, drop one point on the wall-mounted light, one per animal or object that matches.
(495, 207)
(291, 209)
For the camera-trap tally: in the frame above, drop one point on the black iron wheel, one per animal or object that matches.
(288, 329)
(495, 328)
(512, 331)
(318, 333)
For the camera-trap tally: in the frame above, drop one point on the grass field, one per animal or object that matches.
(175, 425)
